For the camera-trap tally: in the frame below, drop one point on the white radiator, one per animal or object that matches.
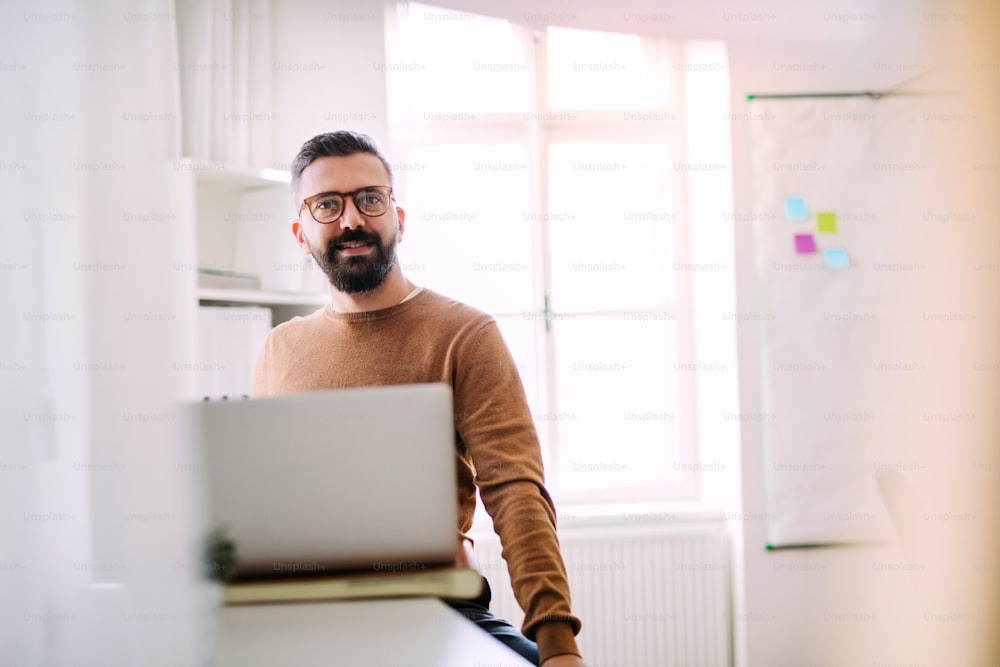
(648, 595)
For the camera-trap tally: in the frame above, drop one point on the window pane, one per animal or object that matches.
(597, 71)
(466, 234)
(617, 380)
(454, 61)
(612, 227)
(522, 334)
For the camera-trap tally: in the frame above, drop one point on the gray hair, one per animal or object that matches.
(335, 144)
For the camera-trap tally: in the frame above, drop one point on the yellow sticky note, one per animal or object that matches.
(826, 223)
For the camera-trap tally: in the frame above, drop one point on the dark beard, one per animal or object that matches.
(353, 275)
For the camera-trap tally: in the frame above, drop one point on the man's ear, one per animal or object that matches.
(300, 237)
(400, 216)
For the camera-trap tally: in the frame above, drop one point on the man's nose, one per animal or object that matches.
(351, 217)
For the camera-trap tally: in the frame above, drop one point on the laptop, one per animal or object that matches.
(345, 480)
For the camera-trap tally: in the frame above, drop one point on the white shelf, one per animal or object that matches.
(207, 171)
(260, 297)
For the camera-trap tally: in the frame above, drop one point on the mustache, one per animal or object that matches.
(352, 235)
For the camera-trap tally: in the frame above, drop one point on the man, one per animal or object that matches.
(380, 328)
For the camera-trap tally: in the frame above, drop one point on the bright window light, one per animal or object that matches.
(466, 234)
(612, 242)
(618, 398)
(457, 62)
(596, 71)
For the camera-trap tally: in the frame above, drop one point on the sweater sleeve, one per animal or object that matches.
(496, 426)
(260, 385)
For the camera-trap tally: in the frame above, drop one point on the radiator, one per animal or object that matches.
(648, 595)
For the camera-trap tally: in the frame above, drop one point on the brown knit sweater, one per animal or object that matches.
(431, 338)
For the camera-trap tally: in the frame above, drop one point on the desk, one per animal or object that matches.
(412, 632)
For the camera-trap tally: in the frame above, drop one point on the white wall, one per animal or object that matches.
(328, 71)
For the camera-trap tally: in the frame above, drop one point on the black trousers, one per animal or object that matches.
(478, 611)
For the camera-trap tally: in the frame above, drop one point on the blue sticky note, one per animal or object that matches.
(795, 208)
(836, 258)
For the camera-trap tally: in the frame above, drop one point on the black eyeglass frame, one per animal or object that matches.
(353, 194)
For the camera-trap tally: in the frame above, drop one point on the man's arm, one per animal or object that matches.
(495, 424)
(564, 660)
(466, 556)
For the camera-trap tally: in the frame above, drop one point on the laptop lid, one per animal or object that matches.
(348, 479)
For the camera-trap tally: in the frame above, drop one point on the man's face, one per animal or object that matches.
(356, 252)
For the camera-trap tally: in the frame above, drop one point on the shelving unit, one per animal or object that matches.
(283, 305)
(260, 297)
(240, 222)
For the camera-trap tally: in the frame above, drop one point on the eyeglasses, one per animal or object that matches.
(327, 207)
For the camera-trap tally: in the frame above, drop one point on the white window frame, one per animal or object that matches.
(540, 130)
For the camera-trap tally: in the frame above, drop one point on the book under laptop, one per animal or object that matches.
(333, 494)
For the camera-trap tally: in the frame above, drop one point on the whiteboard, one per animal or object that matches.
(835, 365)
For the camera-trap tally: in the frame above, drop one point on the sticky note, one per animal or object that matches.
(836, 258)
(805, 244)
(795, 208)
(826, 223)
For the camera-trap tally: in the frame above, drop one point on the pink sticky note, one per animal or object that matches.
(805, 244)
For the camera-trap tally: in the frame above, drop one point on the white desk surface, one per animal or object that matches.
(414, 632)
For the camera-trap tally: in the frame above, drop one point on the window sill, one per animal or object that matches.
(614, 515)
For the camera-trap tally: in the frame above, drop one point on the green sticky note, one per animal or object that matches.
(826, 223)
